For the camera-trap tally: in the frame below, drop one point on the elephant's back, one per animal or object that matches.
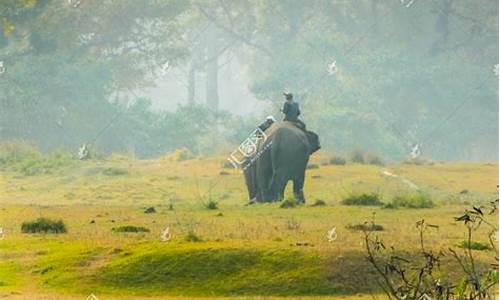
(288, 142)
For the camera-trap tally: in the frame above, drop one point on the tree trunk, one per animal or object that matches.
(212, 72)
(191, 83)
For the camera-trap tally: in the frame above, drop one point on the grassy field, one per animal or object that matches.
(236, 250)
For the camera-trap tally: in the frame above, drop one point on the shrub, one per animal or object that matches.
(24, 158)
(192, 237)
(337, 160)
(312, 166)
(418, 161)
(373, 159)
(211, 204)
(319, 202)
(474, 245)
(130, 228)
(114, 171)
(365, 227)
(363, 199)
(357, 156)
(417, 200)
(180, 155)
(43, 225)
(289, 203)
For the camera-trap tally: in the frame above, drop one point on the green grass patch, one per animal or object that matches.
(365, 227)
(289, 203)
(174, 271)
(114, 171)
(474, 245)
(363, 199)
(417, 200)
(130, 228)
(211, 204)
(43, 225)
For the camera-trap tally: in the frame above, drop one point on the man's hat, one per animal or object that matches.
(288, 96)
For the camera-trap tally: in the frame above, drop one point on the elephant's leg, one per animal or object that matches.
(279, 186)
(298, 188)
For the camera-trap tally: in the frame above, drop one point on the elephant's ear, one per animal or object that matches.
(313, 140)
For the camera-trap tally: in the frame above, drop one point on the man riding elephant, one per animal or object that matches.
(284, 153)
(292, 111)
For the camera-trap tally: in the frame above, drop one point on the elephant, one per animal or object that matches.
(282, 155)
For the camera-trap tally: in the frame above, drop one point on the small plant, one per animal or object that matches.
(365, 227)
(181, 154)
(373, 159)
(130, 228)
(417, 200)
(363, 199)
(289, 203)
(474, 245)
(211, 204)
(192, 237)
(404, 276)
(337, 160)
(43, 225)
(114, 171)
(292, 224)
(357, 156)
(319, 202)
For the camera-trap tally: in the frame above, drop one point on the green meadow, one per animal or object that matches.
(232, 249)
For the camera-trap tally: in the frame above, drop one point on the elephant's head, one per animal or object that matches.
(314, 144)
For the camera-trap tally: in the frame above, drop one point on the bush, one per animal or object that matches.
(337, 160)
(289, 203)
(365, 227)
(43, 225)
(24, 158)
(357, 156)
(417, 161)
(373, 159)
(180, 155)
(192, 237)
(211, 204)
(363, 199)
(418, 200)
(130, 228)
(114, 171)
(474, 245)
(312, 166)
(319, 202)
